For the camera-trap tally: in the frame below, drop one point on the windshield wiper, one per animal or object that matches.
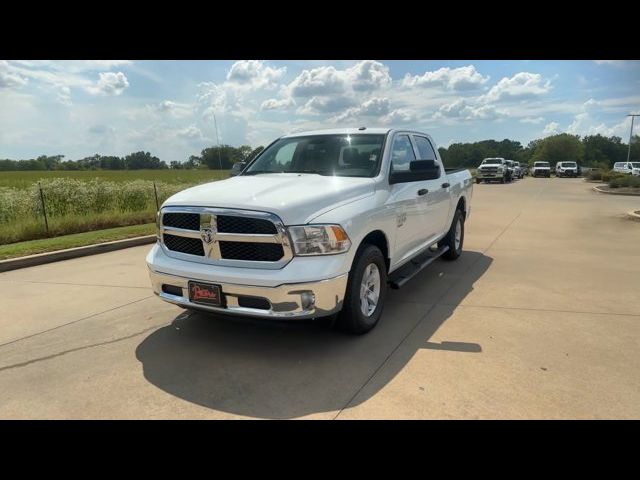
(255, 172)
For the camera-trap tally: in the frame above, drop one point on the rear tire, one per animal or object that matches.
(366, 292)
(454, 238)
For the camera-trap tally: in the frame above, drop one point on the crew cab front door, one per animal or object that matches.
(408, 201)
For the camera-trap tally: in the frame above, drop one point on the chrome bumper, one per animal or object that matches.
(288, 301)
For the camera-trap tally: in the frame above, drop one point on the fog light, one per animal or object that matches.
(308, 300)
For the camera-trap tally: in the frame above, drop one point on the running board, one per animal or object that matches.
(398, 278)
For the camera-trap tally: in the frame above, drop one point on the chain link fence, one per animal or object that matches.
(62, 205)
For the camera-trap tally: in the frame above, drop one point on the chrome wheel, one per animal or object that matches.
(370, 290)
(458, 234)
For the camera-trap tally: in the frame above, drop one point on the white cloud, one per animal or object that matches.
(318, 81)
(175, 109)
(191, 132)
(63, 95)
(552, 128)
(9, 78)
(329, 104)
(368, 75)
(374, 107)
(534, 120)
(213, 97)
(109, 84)
(400, 116)
(275, 104)
(590, 104)
(364, 76)
(458, 79)
(461, 108)
(75, 66)
(521, 86)
(254, 74)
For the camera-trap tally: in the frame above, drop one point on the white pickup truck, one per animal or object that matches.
(318, 225)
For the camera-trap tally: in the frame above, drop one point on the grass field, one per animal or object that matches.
(86, 201)
(32, 247)
(27, 178)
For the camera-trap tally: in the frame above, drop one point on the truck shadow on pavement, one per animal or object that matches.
(288, 370)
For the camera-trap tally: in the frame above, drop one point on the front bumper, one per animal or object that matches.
(483, 175)
(287, 301)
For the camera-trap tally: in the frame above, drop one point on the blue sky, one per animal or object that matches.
(114, 107)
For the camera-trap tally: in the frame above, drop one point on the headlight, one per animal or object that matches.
(319, 239)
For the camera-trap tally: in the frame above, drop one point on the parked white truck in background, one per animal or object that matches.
(318, 224)
(493, 169)
(541, 169)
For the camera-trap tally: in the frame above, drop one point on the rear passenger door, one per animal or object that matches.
(437, 203)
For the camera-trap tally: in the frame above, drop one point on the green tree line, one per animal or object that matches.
(589, 151)
(210, 158)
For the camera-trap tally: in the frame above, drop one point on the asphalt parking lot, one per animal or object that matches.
(540, 318)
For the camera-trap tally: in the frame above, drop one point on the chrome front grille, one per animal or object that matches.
(238, 238)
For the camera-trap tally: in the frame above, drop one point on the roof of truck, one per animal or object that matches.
(340, 131)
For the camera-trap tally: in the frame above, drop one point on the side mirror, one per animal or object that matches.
(418, 170)
(237, 168)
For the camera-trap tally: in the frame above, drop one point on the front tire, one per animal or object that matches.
(454, 238)
(366, 292)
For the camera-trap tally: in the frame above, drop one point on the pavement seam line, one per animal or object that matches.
(77, 349)
(540, 310)
(437, 302)
(72, 284)
(74, 321)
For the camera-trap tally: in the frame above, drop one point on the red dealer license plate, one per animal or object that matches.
(205, 294)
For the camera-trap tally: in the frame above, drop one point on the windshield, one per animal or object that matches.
(568, 164)
(341, 155)
(492, 161)
(541, 164)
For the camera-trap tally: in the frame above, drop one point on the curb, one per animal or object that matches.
(597, 189)
(634, 215)
(69, 253)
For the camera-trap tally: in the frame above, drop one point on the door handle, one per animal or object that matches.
(446, 185)
(423, 191)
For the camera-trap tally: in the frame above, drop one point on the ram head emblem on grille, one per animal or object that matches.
(207, 235)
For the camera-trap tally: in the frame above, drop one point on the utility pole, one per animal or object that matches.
(633, 116)
(215, 122)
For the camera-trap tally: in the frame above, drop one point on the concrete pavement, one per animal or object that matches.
(540, 318)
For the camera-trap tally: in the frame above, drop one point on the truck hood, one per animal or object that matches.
(295, 197)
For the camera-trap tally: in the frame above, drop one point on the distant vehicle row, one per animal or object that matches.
(499, 169)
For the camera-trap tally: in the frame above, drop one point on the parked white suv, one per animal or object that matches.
(566, 169)
(627, 167)
(318, 224)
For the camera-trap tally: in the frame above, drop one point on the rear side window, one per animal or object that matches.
(424, 148)
(401, 154)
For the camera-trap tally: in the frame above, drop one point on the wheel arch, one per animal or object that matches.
(380, 240)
